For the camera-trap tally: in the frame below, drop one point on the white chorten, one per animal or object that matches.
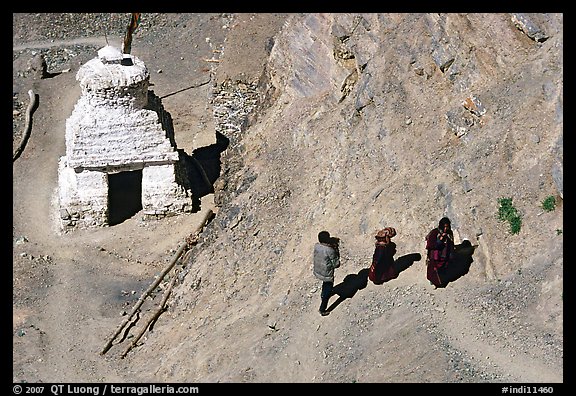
(121, 156)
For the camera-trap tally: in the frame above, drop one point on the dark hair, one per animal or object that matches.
(443, 220)
(324, 237)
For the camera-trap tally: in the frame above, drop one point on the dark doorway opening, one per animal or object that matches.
(124, 195)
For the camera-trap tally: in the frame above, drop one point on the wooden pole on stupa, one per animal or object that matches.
(134, 22)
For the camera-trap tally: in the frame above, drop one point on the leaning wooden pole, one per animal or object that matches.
(134, 22)
(144, 295)
(159, 311)
(183, 245)
(28, 125)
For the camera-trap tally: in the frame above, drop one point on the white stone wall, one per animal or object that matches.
(114, 84)
(161, 195)
(83, 197)
(100, 137)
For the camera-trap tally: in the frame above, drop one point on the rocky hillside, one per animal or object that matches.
(350, 123)
(368, 121)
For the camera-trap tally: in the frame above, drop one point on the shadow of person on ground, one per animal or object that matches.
(404, 262)
(349, 286)
(459, 263)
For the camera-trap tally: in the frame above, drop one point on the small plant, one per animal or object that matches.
(558, 231)
(507, 212)
(515, 224)
(549, 204)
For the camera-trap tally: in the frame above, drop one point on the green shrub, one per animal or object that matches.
(549, 204)
(515, 224)
(507, 212)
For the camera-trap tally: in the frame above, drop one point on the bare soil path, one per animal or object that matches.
(71, 289)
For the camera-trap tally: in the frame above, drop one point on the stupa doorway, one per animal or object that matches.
(124, 195)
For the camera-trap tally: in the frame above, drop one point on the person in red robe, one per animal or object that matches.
(382, 268)
(440, 245)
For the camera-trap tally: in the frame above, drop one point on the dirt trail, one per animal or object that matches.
(468, 336)
(99, 41)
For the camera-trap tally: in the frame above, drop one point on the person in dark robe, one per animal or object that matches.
(382, 268)
(440, 245)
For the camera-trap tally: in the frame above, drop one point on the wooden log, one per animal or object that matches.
(161, 308)
(181, 248)
(28, 125)
(143, 297)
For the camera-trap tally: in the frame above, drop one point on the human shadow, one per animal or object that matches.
(352, 283)
(349, 286)
(404, 262)
(459, 263)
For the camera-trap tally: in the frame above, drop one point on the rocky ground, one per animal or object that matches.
(313, 156)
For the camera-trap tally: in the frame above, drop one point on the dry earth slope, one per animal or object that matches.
(349, 123)
(382, 120)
